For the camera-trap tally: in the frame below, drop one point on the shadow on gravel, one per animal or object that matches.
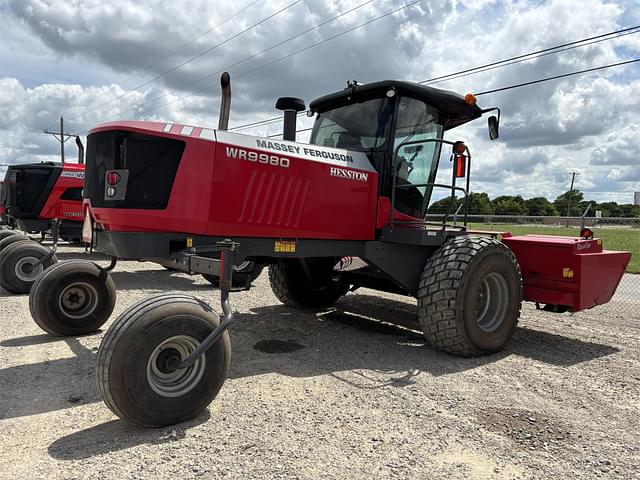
(117, 435)
(389, 341)
(356, 337)
(157, 279)
(47, 386)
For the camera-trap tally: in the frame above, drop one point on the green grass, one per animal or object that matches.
(612, 238)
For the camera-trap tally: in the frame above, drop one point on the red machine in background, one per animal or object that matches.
(43, 198)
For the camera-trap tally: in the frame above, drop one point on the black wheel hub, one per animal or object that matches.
(168, 360)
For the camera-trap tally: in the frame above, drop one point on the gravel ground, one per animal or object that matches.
(342, 393)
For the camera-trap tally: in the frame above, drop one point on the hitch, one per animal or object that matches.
(227, 249)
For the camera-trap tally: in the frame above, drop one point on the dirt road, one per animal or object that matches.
(351, 392)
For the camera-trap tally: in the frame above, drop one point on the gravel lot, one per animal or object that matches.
(341, 393)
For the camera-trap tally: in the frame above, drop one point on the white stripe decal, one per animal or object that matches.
(167, 127)
(186, 130)
(316, 153)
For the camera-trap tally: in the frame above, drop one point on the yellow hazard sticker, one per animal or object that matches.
(599, 241)
(567, 273)
(285, 246)
(189, 242)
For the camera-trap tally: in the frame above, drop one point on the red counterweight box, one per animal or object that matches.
(569, 271)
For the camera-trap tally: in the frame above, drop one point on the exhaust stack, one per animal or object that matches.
(225, 101)
(80, 150)
(291, 106)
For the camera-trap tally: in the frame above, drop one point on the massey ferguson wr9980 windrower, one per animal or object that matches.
(345, 211)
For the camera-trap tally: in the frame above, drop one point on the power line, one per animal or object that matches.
(293, 53)
(555, 77)
(228, 67)
(500, 63)
(536, 54)
(204, 52)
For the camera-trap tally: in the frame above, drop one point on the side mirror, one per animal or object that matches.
(493, 127)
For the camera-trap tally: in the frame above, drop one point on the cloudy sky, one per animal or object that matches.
(94, 61)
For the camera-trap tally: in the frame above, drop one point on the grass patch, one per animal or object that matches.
(613, 238)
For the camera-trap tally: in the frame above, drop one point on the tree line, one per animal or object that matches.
(481, 204)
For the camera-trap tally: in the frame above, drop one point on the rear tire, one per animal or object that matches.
(72, 298)
(294, 288)
(7, 233)
(16, 261)
(470, 296)
(132, 375)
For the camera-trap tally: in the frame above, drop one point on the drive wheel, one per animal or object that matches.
(7, 233)
(136, 374)
(308, 285)
(11, 239)
(470, 296)
(72, 298)
(18, 265)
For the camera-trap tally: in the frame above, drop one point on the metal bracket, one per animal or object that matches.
(227, 248)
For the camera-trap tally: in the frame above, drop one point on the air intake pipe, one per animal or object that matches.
(291, 106)
(225, 101)
(80, 150)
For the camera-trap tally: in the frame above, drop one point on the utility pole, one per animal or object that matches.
(573, 178)
(61, 137)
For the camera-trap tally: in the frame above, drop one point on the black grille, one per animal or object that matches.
(152, 163)
(28, 188)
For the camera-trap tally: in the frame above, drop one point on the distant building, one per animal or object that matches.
(636, 198)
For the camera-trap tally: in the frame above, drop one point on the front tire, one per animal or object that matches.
(312, 289)
(18, 270)
(133, 377)
(470, 296)
(72, 298)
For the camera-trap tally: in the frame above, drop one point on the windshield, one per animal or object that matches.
(415, 154)
(359, 126)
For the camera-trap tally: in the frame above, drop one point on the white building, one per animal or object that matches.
(636, 198)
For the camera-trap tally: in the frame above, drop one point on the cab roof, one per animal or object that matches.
(453, 108)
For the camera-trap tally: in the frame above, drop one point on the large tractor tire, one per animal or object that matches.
(469, 296)
(11, 239)
(313, 288)
(18, 269)
(135, 376)
(72, 298)
(7, 233)
(240, 276)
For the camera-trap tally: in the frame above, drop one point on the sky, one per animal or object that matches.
(94, 61)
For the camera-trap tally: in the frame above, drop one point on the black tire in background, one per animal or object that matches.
(293, 287)
(75, 297)
(7, 233)
(11, 239)
(470, 296)
(17, 274)
(133, 377)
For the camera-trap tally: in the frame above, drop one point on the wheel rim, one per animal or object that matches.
(162, 379)
(24, 269)
(492, 298)
(78, 300)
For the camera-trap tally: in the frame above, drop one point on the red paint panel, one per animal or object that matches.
(55, 206)
(301, 201)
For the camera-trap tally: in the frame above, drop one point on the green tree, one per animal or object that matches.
(574, 198)
(442, 206)
(480, 204)
(540, 206)
(509, 206)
